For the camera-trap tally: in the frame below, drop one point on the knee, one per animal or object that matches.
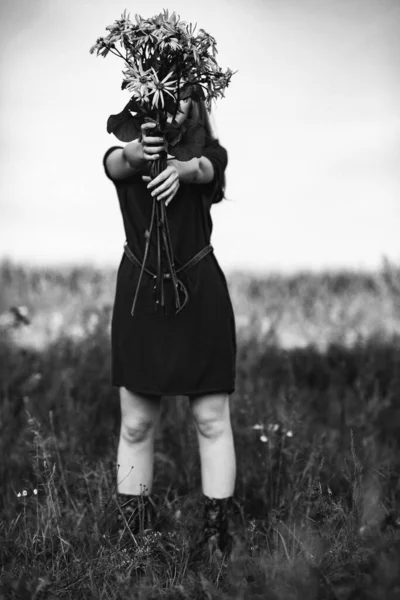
(210, 428)
(136, 431)
(212, 424)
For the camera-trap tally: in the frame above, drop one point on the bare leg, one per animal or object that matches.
(217, 453)
(139, 419)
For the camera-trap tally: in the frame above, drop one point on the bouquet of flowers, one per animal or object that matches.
(166, 63)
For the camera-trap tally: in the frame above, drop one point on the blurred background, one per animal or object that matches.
(310, 121)
(309, 240)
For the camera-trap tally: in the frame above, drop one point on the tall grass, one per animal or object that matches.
(316, 418)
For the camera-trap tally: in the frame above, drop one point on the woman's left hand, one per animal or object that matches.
(165, 185)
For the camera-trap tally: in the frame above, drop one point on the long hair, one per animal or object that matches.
(199, 111)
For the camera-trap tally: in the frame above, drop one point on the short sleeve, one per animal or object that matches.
(107, 154)
(219, 159)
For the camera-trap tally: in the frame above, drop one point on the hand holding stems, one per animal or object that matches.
(152, 145)
(166, 184)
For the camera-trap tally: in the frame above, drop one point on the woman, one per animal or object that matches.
(191, 353)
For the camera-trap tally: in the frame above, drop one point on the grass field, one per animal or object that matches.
(316, 417)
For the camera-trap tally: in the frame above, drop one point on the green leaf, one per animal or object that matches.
(124, 126)
(186, 91)
(197, 93)
(194, 91)
(173, 138)
(191, 143)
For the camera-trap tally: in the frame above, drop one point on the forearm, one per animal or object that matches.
(133, 155)
(196, 170)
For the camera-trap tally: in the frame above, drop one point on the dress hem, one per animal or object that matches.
(224, 390)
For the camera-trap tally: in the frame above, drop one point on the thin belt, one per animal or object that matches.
(188, 265)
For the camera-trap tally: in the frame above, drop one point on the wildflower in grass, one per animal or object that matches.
(35, 492)
(24, 493)
(258, 427)
(289, 433)
(92, 323)
(77, 332)
(31, 384)
(21, 315)
(19, 495)
(263, 438)
(251, 526)
(273, 427)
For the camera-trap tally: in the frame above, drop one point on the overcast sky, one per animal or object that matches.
(311, 123)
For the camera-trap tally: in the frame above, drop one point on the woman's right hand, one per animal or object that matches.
(137, 156)
(152, 146)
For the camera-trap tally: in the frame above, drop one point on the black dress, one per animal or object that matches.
(193, 352)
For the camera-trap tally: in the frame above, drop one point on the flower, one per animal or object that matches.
(207, 41)
(160, 26)
(172, 43)
(35, 492)
(24, 493)
(137, 80)
(289, 433)
(263, 438)
(163, 56)
(19, 495)
(159, 87)
(258, 426)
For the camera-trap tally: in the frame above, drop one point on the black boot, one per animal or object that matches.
(134, 515)
(216, 535)
(127, 520)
